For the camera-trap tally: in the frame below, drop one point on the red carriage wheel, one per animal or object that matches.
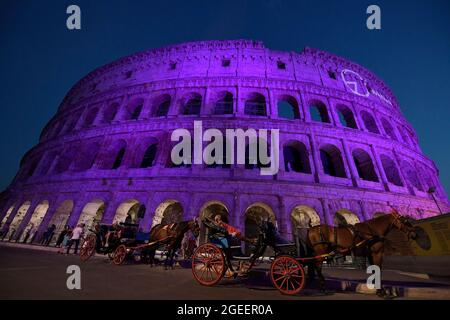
(120, 254)
(287, 275)
(208, 264)
(88, 247)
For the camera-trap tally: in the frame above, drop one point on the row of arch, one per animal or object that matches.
(296, 155)
(255, 104)
(168, 211)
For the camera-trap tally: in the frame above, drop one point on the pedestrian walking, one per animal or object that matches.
(77, 234)
(65, 242)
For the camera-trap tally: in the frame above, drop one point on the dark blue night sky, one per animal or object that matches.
(40, 59)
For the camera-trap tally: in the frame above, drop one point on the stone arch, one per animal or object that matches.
(387, 126)
(35, 221)
(8, 213)
(114, 155)
(191, 104)
(404, 135)
(318, 111)
(391, 170)
(71, 123)
(332, 162)
(86, 156)
(288, 107)
(161, 105)
(255, 104)
(300, 215)
(130, 210)
(133, 109)
(296, 157)
(92, 213)
(149, 156)
(110, 112)
(364, 165)
(224, 103)
(66, 158)
(254, 214)
(168, 211)
(60, 217)
(89, 117)
(208, 211)
(369, 122)
(346, 116)
(17, 220)
(410, 173)
(345, 217)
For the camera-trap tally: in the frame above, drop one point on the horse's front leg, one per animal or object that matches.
(166, 261)
(318, 268)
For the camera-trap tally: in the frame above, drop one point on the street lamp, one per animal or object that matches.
(431, 191)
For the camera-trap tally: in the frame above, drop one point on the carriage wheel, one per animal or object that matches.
(208, 264)
(287, 275)
(120, 254)
(88, 247)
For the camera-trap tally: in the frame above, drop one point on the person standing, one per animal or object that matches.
(77, 234)
(62, 235)
(27, 234)
(50, 234)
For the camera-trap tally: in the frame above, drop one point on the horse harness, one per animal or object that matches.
(336, 248)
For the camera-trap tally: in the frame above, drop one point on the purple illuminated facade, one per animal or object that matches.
(346, 151)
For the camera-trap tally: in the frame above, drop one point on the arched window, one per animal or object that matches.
(255, 105)
(32, 167)
(192, 105)
(119, 158)
(224, 105)
(149, 156)
(389, 129)
(162, 105)
(410, 174)
(346, 117)
(404, 135)
(86, 156)
(90, 117)
(288, 108)
(364, 165)
(369, 122)
(110, 112)
(72, 122)
(113, 156)
(296, 157)
(65, 159)
(391, 171)
(332, 162)
(319, 112)
(134, 110)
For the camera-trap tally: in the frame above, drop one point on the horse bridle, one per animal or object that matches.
(400, 224)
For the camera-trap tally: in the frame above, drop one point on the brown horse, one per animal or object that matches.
(170, 235)
(362, 239)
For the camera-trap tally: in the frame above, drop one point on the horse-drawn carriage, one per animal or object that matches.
(211, 262)
(125, 240)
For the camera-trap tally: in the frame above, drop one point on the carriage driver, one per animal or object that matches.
(220, 234)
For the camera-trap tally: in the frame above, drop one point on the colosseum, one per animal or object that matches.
(346, 151)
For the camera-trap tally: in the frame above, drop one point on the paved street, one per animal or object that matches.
(32, 274)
